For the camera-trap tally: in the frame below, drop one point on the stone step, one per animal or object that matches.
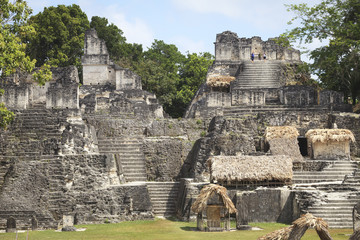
(321, 174)
(331, 208)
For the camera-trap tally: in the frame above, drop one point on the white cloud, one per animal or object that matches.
(264, 15)
(135, 30)
(185, 44)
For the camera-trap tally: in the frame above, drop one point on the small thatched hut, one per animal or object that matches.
(257, 170)
(283, 140)
(330, 143)
(215, 204)
(298, 229)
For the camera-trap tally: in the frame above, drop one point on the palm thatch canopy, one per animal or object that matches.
(250, 168)
(283, 141)
(298, 229)
(329, 135)
(281, 132)
(207, 192)
(219, 81)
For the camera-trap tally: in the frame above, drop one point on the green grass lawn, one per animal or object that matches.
(161, 229)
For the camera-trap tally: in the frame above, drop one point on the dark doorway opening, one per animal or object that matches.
(302, 141)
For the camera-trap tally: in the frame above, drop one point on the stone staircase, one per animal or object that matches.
(130, 151)
(241, 110)
(336, 209)
(31, 130)
(258, 74)
(163, 197)
(56, 183)
(338, 171)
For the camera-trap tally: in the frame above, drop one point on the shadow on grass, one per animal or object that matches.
(188, 228)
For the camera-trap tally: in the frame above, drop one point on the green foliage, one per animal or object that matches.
(336, 64)
(6, 116)
(111, 34)
(14, 27)
(42, 74)
(173, 77)
(203, 134)
(192, 75)
(123, 53)
(159, 72)
(59, 37)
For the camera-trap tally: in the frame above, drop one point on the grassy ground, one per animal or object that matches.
(160, 230)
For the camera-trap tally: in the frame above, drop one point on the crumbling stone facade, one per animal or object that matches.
(229, 47)
(104, 152)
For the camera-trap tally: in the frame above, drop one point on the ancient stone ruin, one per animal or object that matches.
(104, 151)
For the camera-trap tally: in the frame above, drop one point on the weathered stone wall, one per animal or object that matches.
(44, 132)
(63, 91)
(104, 99)
(98, 69)
(229, 47)
(208, 103)
(266, 205)
(244, 135)
(74, 185)
(127, 79)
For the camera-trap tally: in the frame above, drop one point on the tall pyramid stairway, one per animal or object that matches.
(163, 197)
(258, 74)
(29, 131)
(56, 180)
(337, 171)
(131, 155)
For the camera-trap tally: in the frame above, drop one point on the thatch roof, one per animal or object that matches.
(251, 168)
(207, 192)
(298, 229)
(281, 234)
(327, 135)
(283, 141)
(219, 81)
(281, 132)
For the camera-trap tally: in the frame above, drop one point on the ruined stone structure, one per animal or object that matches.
(235, 84)
(104, 152)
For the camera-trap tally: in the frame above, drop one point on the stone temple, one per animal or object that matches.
(104, 151)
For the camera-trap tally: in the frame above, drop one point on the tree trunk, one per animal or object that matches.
(297, 233)
(324, 234)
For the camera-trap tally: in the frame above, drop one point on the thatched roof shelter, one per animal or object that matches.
(207, 192)
(219, 81)
(283, 141)
(330, 143)
(298, 229)
(329, 135)
(281, 132)
(250, 168)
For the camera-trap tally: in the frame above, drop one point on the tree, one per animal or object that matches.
(59, 38)
(14, 27)
(173, 77)
(111, 34)
(159, 72)
(192, 74)
(337, 63)
(123, 53)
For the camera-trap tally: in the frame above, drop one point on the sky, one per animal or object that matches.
(191, 25)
